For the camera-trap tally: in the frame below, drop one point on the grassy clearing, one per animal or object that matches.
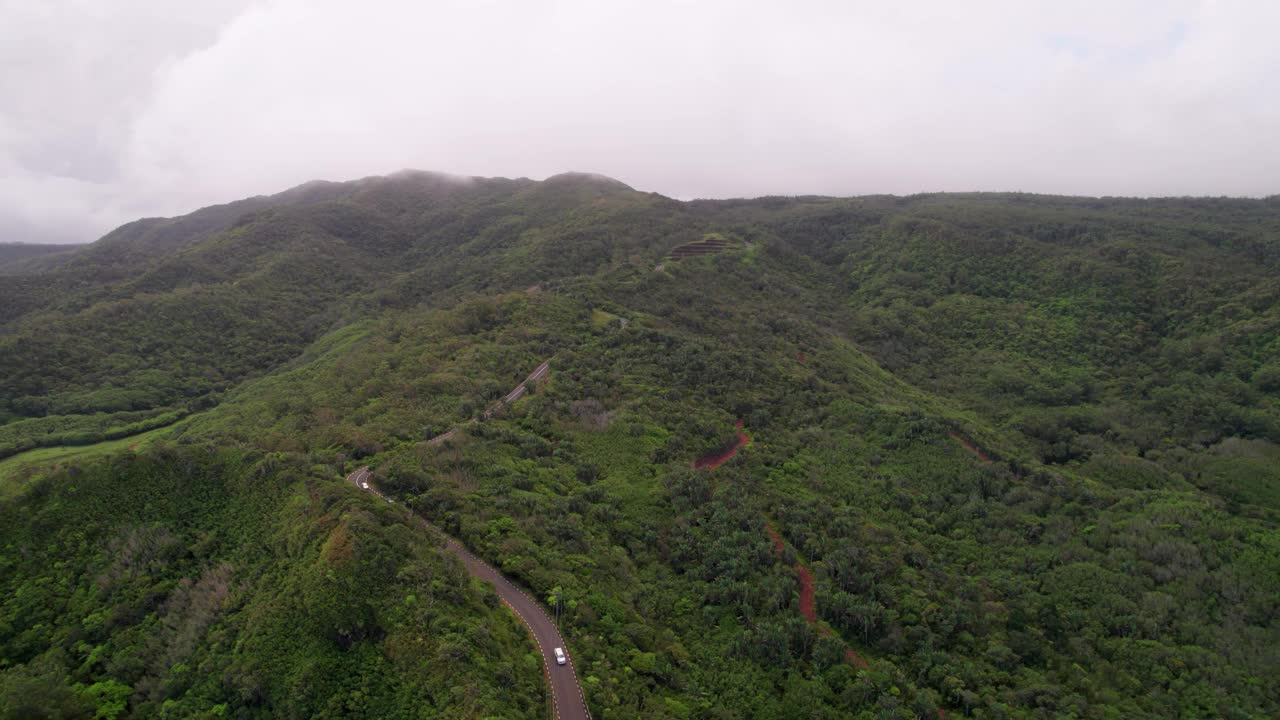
(17, 471)
(601, 319)
(623, 457)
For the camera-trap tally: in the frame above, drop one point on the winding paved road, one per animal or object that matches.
(516, 393)
(567, 700)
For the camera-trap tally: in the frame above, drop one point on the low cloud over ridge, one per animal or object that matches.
(108, 116)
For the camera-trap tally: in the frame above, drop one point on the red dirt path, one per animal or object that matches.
(775, 537)
(711, 461)
(808, 604)
(808, 600)
(970, 447)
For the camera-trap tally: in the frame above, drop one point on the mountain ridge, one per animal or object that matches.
(1113, 364)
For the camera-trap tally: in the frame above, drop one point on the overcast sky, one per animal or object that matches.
(111, 111)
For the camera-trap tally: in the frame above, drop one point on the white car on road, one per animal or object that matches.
(560, 658)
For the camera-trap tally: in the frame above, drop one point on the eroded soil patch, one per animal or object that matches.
(711, 461)
(808, 596)
(970, 447)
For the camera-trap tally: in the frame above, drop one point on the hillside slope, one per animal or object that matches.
(25, 257)
(1011, 456)
(177, 584)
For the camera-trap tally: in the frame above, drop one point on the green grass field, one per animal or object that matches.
(16, 471)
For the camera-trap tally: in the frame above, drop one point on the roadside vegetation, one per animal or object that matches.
(1025, 449)
(176, 583)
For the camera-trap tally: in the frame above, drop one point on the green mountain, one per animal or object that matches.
(1010, 456)
(18, 258)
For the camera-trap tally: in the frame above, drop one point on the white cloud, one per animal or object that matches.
(686, 98)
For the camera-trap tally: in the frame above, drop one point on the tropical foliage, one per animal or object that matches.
(1022, 455)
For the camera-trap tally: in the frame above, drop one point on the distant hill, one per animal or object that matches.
(961, 455)
(14, 254)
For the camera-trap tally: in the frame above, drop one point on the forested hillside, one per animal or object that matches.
(179, 584)
(19, 257)
(1010, 456)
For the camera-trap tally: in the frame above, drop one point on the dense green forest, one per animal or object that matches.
(24, 257)
(1024, 451)
(185, 584)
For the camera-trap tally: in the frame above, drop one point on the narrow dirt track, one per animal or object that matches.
(808, 596)
(970, 447)
(711, 461)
